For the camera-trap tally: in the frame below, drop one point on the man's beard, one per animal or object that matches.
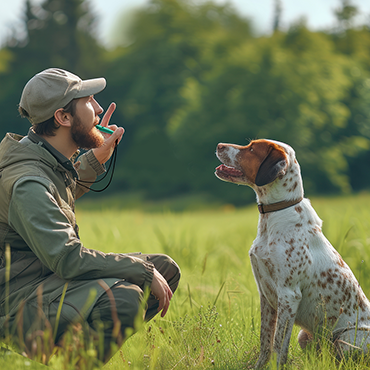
(84, 137)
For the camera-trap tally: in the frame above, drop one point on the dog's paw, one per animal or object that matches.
(262, 361)
(304, 338)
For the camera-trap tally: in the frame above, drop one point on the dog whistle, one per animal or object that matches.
(104, 129)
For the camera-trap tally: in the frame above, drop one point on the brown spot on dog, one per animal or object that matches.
(340, 261)
(293, 187)
(298, 209)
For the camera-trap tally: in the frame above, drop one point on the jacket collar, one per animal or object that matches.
(63, 160)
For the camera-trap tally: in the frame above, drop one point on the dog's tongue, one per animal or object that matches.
(231, 171)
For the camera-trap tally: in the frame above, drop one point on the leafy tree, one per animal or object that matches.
(287, 87)
(351, 40)
(355, 43)
(277, 14)
(173, 42)
(346, 14)
(59, 33)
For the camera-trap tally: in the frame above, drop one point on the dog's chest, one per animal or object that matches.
(264, 269)
(279, 260)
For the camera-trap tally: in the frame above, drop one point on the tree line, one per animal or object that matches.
(189, 76)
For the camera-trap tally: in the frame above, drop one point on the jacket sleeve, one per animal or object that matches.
(36, 216)
(88, 168)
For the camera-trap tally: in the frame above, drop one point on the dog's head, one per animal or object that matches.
(256, 164)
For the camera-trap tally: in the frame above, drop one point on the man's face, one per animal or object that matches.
(83, 130)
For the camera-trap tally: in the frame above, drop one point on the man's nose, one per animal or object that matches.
(98, 109)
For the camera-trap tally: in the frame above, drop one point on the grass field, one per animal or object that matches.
(213, 321)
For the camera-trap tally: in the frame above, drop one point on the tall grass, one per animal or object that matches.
(214, 320)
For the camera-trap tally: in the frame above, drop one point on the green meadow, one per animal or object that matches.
(214, 320)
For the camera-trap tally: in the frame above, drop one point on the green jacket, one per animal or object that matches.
(37, 219)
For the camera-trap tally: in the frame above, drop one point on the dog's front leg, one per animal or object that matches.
(268, 322)
(288, 303)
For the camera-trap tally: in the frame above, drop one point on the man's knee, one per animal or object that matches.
(116, 309)
(122, 302)
(128, 300)
(167, 267)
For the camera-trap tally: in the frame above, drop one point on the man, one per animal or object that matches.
(54, 280)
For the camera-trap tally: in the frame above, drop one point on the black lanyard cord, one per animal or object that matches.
(112, 161)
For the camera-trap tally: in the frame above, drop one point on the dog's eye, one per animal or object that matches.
(251, 149)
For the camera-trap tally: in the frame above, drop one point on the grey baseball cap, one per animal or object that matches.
(54, 88)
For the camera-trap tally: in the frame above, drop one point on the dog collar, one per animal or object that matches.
(266, 208)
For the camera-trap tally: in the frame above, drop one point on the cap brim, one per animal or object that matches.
(91, 87)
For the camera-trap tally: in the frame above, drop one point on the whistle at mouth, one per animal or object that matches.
(104, 129)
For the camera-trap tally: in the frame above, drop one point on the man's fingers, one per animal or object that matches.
(161, 304)
(166, 303)
(115, 137)
(108, 114)
(170, 293)
(161, 291)
(165, 309)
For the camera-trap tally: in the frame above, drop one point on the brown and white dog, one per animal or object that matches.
(300, 277)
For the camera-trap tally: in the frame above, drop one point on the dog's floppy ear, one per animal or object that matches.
(273, 165)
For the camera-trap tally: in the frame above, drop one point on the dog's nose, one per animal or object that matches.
(221, 147)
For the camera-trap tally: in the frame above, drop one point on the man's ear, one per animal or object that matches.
(63, 118)
(274, 164)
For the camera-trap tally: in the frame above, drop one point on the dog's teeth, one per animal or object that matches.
(231, 171)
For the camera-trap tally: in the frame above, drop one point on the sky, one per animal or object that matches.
(319, 13)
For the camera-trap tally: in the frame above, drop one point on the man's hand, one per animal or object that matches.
(104, 152)
(161, 291)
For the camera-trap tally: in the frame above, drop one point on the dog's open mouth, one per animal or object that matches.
(224, 171)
